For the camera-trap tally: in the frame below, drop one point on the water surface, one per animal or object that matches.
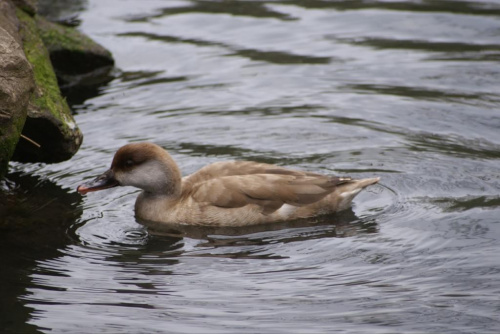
(404, 90)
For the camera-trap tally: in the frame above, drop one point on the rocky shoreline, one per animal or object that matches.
(37, 59)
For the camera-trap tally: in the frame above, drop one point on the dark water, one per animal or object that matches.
(405, 90)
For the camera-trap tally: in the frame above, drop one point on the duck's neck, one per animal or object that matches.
(156, 200)
(151, 207)
(173, 187)
(166, 180)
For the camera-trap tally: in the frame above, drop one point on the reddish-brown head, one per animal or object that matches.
(143, 165)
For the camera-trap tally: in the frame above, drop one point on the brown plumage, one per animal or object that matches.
(232, 193)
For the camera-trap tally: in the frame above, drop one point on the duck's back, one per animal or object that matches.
(237, 193)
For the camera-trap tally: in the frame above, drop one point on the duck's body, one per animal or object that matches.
(233, 193)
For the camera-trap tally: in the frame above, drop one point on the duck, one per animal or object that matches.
(225, 193)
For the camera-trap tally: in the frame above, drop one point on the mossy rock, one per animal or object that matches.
(29, 6)
(16, 84)
(77, 59)
(49, 122)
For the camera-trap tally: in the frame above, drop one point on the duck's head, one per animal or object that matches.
(142, 165)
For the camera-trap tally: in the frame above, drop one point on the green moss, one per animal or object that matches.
(9, 142)
(61, 37)
(47, 96)
(71, 52)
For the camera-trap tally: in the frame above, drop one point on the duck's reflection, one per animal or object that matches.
(339, 225)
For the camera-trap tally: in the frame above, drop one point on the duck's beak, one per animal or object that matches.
(104, 181)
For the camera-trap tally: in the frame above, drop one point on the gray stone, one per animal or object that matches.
(50, 122)
(16, 84)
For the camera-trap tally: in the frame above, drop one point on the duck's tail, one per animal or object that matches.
(348, 190)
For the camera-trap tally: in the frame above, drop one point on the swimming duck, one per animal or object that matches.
(229, 193)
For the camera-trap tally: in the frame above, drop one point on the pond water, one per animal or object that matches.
(404, 90)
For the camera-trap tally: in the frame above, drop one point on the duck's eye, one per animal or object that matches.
(129, 163)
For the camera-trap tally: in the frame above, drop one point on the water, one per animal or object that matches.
(405, 90)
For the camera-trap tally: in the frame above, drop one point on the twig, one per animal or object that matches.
(31, 141)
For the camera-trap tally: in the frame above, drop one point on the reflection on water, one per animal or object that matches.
(428, 46)
(234, 8)
(61, 10)
(263, 9)
(423, 93)
(343, 224)
(274, 57)
(467, 203)
(36, 212)
(405, 90)
(34, 217)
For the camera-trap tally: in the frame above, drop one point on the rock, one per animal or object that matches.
(9, 21)
(29, 6)
(16, 84)
(49, 121)
(30, 98)
(77, 59)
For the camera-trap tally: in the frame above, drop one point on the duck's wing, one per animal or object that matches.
(268, 191)
(233, 168)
